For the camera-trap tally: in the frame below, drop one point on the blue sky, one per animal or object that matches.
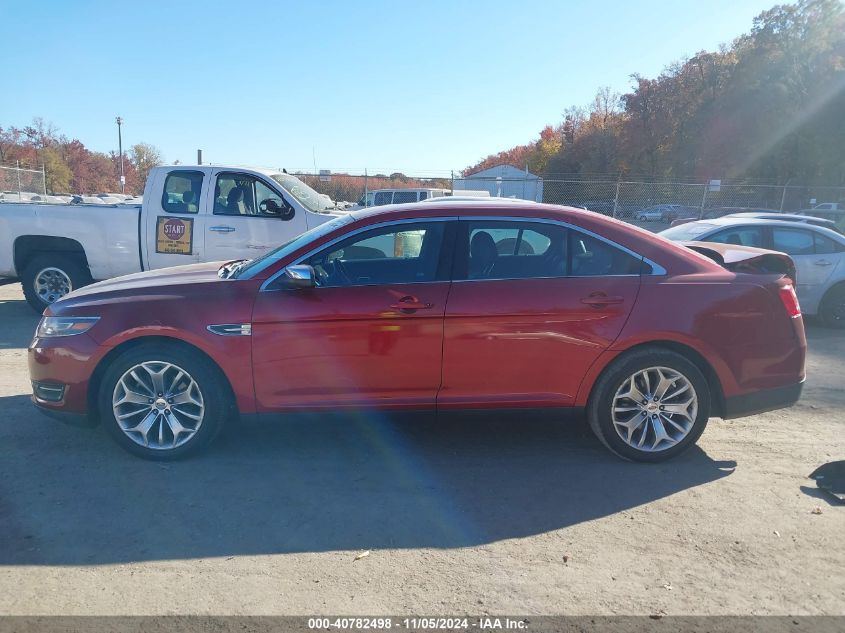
(388, 86)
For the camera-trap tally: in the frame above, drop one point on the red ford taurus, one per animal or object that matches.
(451, 306)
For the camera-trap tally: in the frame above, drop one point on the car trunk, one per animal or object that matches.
(746, 259)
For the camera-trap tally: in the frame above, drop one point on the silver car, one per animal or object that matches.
(818, 253)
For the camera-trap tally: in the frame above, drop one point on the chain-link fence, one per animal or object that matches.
(638, 201)
(21, 183)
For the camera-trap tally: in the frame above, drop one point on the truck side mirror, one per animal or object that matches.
(271, 207)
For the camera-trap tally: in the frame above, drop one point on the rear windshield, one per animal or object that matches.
(686, 232)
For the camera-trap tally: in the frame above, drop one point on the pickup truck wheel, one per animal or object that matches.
(162, 403)
(48, 278)
(650, 405)
(832, 308)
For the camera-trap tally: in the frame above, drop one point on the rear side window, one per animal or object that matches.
(382, 197)
(793, 241)
(826, 246)
(741, 236)
(524, 250)
(400, 197)
(182, 192)
(590, 256)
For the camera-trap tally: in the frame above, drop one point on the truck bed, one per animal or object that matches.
(111, 230)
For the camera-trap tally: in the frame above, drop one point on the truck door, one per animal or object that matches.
(244, 219)
(172, 222)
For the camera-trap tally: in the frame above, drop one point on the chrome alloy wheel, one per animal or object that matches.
(655, 409)
(158, 405)
(51, 284)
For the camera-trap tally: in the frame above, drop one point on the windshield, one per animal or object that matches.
(686, 232)
(254, 266)
(306, 196)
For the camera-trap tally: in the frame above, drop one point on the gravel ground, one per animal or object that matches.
(471, 515)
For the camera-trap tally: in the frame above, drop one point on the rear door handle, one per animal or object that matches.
(823, 262)
(410, 304)
(222, 229)
(598, 299)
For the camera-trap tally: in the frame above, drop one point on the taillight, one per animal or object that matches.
(790, 301)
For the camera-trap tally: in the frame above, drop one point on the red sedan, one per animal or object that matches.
(459, 306)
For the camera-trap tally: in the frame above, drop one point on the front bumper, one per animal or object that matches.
(65, 417)
(761, 401)
(60, 369)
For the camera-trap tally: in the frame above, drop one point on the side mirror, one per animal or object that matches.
(299, 276)
(271, 207)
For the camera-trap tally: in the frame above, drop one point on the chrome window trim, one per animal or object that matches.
(299, 260)
(656, 269)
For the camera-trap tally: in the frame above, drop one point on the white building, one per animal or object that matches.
(504, 181)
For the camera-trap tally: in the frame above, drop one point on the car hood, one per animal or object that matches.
(152, 282)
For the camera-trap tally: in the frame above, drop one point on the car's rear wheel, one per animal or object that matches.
(832, 308)
(650, 405)
(48, 278)
(161, 402)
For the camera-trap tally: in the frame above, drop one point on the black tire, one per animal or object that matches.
(832, 308)
(209, 381)
(74, 269)
(600, 405)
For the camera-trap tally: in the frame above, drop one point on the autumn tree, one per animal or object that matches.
(768, 106)
(144, 157)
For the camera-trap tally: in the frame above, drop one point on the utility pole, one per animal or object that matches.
(119, 122)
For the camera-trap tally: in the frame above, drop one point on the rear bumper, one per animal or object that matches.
(760, 401)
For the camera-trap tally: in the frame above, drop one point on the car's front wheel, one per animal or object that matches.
(162, 402)
(650, 405)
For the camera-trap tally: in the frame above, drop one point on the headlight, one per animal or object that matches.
(64, 326)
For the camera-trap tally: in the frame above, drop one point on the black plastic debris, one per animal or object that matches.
(830, 477)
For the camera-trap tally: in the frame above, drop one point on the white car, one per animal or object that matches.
(651, 214)
(818, 253)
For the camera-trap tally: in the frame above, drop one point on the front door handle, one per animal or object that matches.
(599, 299)
(410, 304)
(823, 262)
(222, 229)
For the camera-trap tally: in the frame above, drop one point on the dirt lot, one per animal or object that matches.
(460, 516)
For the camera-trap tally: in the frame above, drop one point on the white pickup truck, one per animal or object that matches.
(189, 214)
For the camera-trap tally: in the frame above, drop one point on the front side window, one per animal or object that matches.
(396, 254)
(182, 192)
(792, 241)
(521, 250)
(240, 194)
(741, 236)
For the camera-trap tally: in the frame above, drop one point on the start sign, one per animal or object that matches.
(174, 236)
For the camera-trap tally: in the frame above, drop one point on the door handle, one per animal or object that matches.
(410, 304)
(599, 299)
(222, 229)
(823, 262)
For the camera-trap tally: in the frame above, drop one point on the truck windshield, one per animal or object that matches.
(306, 196)
(254, 266)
